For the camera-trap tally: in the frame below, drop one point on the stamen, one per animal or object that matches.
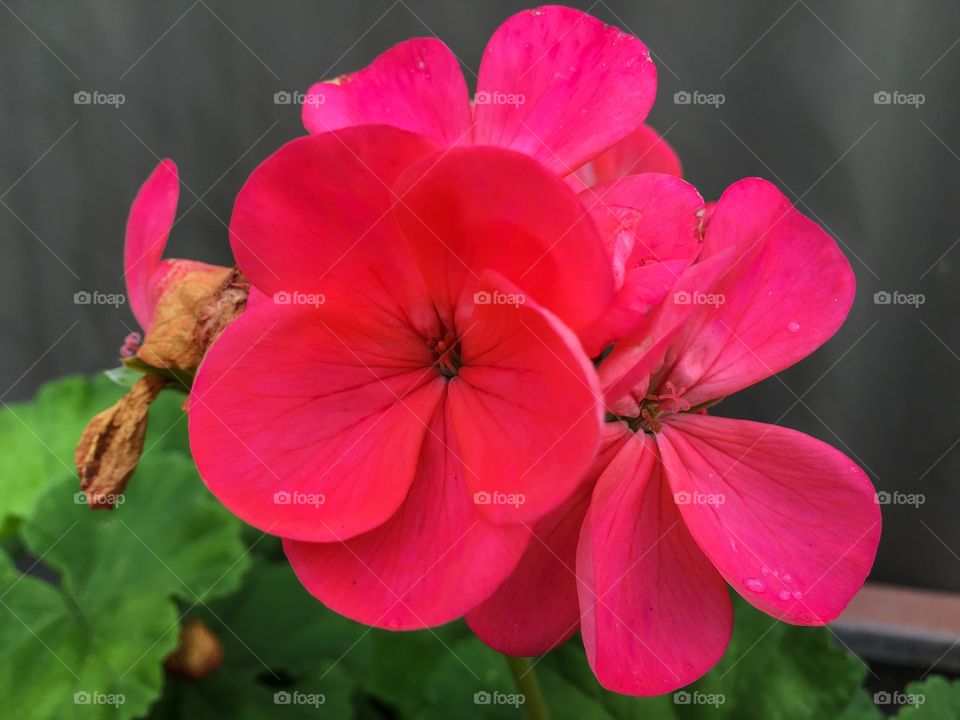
(448, 354)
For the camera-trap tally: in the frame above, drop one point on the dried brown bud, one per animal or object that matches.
(199, 652)
(190, 314)
(111, 444)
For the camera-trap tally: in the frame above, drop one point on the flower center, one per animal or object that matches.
(655, 406)
(447, 354)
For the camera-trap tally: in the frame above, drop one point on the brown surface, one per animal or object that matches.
(903, 609)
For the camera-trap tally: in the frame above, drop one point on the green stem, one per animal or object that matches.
(527, 683)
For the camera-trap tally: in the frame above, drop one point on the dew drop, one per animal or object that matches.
(784, 595)
(797, 594)
(793, 326)
(787, 578)
(765, 570)
(755, 585)
(393, 623)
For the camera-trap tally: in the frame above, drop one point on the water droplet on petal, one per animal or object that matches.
(765, 570)
(797, 594)
(793, 326)
(393, 623)
(787, 578)
(784, 594)
(755, 585)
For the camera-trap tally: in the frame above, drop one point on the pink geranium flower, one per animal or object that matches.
(407, 393)
(570, 91)
(148, 228)
(684, 503)
(554, 83)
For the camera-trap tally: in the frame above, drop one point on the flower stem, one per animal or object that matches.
(527, 683)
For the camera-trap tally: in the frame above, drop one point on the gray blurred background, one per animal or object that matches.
(798, 80)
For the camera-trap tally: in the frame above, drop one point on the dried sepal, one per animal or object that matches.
(112, 443)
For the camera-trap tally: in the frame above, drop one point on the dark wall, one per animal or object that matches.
(799, 80)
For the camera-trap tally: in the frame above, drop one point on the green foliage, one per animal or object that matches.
(38, 437)
(102, 627)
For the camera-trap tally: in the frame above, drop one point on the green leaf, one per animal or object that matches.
(773, 670)
(281, 647)
(38, 438)
(103, 629)
(861, 708)
(936, 698)
(470, 681)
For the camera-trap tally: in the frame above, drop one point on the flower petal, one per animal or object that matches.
(787, 294)
(789, 521)
(650, 226)
(642, 151)
(315, 217)
(536, 608)
(148, 228)
(307, 422)
(625, 372)
(416, 86)
(462, 214)
(525, 405)
(655, 615)
(397, 576)
(562, 86)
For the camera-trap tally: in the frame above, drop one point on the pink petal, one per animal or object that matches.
(431, 562)
(315, 217)
(463, 214)
(650, 225)
(525, 405)
(307, 421)
(625, 372)
(148, 227)
(789, 521)
(787, 294)
(655, 614)
(416, 86)
(642, 151)
(536, 608)
(560, 85)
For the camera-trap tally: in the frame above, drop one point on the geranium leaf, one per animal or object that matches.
(91, 642)
(38, 437)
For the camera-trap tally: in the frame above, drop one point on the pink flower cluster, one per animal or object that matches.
(477, 368)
